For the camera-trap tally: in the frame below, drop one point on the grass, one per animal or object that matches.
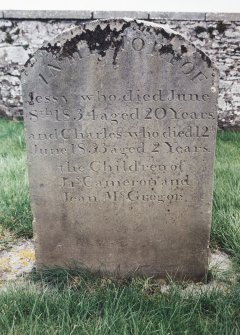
(15, 212)
(225, 231)
(111, 308)
(59, 302)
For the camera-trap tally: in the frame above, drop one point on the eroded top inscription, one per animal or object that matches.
(120, 123)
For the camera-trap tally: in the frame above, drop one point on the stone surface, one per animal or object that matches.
(120, 125)
(120, 14)
(177, 16)
(48, 14)
(13, 54)
(4, 111)
(223, 16)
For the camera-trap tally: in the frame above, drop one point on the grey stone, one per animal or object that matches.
(222, 16)
(119, 14)
(13, 54)
(182, 16)
(232, 34)
(4, 112)
(48, 14)
(120, 122)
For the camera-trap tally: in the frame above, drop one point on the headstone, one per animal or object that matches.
(120, 122)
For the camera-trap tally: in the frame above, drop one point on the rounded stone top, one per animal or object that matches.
(101, 35)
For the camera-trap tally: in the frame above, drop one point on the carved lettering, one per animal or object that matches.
(120, 126)
(138, 43)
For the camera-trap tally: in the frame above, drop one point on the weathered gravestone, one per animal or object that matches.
(120, 123)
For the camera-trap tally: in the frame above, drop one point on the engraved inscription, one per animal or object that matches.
(120, 126)
(119, 142)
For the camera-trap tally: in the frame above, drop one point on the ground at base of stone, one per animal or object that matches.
(18, 258)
